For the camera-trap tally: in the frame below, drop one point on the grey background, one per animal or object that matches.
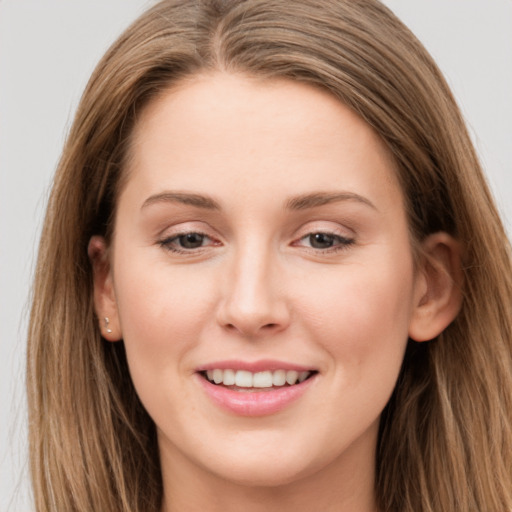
(48, 49)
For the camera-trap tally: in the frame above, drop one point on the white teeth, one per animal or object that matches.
(229, 378)
(279, 378)
(292, 376)
(264, 379)
(218, 376)
(243, 379)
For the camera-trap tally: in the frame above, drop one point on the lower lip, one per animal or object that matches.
(255, 403)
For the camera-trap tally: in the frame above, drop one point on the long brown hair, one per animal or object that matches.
(445, 441)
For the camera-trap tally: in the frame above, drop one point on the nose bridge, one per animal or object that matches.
(253, 300)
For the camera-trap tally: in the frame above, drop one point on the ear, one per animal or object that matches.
(438, 287)
(105, 303)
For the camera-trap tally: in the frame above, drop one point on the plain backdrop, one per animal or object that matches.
(48, 49)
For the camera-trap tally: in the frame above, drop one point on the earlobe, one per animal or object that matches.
(105, 303)
(438, 287)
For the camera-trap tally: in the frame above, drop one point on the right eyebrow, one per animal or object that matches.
(196, 200)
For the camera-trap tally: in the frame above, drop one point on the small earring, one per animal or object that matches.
(107, 328)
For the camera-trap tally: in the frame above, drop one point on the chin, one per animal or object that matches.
(275, 470)
(263, 476)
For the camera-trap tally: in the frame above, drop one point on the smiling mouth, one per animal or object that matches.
(243, 380)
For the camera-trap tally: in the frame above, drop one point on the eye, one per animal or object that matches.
(321, 240)
(190, 240)
(187, 242)
(324, 241)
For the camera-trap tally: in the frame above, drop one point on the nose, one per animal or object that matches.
(253, 300)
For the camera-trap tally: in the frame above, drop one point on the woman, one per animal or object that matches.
(271, 276)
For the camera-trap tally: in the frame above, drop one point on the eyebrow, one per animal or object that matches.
(316, 199)
(302, 202)
(196, 200)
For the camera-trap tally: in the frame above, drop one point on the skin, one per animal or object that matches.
(256, 289)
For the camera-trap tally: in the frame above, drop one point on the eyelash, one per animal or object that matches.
(342, 243)
(167, 243)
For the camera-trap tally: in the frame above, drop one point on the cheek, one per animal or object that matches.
(163, 314)
(362, 317)
(162, 311)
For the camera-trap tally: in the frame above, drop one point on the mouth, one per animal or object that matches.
(244, 380)
(255, 389)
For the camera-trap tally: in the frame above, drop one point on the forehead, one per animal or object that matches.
(259, 134)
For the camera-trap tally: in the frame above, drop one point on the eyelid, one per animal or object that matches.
(167, 243)
(344, 242)
(185, 227)
(328, 227)
(345, 236)
(169, 235)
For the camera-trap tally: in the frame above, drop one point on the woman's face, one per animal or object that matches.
(261, 236)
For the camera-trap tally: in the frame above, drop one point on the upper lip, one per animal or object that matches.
(254, 366)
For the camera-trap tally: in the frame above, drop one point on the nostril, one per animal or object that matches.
(251, 330)
(264, 326)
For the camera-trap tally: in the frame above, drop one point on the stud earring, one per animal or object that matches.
(107, 328)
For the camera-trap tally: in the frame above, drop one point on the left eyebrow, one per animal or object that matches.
(303, 202)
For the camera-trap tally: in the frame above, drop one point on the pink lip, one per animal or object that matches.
(254, 366)
(262, 402)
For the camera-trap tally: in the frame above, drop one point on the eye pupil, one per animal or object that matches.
(321, 240)
(191, 240)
